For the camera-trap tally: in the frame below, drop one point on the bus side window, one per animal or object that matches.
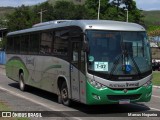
(75, 53)
(60, 45)
(34, 43)
(17, 45)
(46, 42)
(24, 44)
(10, 44)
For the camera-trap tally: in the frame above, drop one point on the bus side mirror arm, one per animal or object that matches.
(85, 46)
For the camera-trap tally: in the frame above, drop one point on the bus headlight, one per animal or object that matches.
(147, 83)
(96, 84)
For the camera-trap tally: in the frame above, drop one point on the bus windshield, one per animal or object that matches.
(118, 52)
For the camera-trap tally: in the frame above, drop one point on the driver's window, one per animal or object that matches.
(75, 53)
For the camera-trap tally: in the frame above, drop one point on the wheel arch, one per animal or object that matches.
(60, 80)
(21, 71)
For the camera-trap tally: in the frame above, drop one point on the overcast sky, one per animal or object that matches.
(148, 4)
(16, 3)
(141, 4)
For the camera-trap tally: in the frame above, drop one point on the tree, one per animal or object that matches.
(114, 10)
(48, 13)
(3, 43)
(24, 16)
(64, 10)
(21, 18)
(3, 23)
(116, 3)
(92, 8)
(80, 12)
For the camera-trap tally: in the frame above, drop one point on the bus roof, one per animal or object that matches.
(84, 24)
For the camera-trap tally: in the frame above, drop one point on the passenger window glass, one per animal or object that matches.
(24, 44)
(34, 43)
(46, 43)
(10, 45)
(61, 43)
(17, 45)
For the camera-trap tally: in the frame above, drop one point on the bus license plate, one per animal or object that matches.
(125, 101)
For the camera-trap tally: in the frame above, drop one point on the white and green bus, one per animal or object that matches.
(89, 61)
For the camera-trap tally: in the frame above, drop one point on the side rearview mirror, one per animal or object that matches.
(85, 46)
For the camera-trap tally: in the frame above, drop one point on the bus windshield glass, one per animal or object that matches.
(118, 52)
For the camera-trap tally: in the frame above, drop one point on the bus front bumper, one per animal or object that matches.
(110, 96)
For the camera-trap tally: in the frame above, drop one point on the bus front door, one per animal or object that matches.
(75, 74)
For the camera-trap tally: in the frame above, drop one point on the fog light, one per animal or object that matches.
(96, 96)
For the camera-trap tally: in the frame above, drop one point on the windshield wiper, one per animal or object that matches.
(137, 68)
(124, 55)
(114, 67)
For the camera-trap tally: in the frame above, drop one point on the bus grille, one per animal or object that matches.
(121, 89)
(120, 97)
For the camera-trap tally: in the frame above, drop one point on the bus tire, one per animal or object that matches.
(59, 99)
(21, 82)
(64, 94)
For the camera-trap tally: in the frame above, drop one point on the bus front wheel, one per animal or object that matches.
(64, 94)
(21, 82)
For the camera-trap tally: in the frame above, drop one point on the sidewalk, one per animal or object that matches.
(2, 70)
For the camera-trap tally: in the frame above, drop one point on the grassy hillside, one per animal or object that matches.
(5, 10)
(152, 17)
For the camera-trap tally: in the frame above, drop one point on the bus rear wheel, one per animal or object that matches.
(21, 82)
(64, 94)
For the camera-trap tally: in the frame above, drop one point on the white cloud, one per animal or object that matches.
(148, 4)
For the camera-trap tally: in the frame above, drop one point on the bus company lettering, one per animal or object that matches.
(30, 61)
(124, 85)
(117, 85)
(132, 84)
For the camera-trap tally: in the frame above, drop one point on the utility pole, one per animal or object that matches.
(99, 7)
(41, 15)
(127, 16)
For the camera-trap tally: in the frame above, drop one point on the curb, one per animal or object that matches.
(156, 86)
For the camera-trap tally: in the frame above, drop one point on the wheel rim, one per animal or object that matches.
(21, 83)
(64, 95)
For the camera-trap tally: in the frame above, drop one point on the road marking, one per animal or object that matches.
(147, 107)
(40, 103)
(155, 96)
(19, 95)
(155, 109)
(57, 109)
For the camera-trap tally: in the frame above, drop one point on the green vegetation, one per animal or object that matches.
(74, 1)
(5, 107)
(24, 17)
(5, 10)
(151, 17)
(156, 78)
(109, 10)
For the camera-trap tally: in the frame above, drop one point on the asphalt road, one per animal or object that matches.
(37, 100)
